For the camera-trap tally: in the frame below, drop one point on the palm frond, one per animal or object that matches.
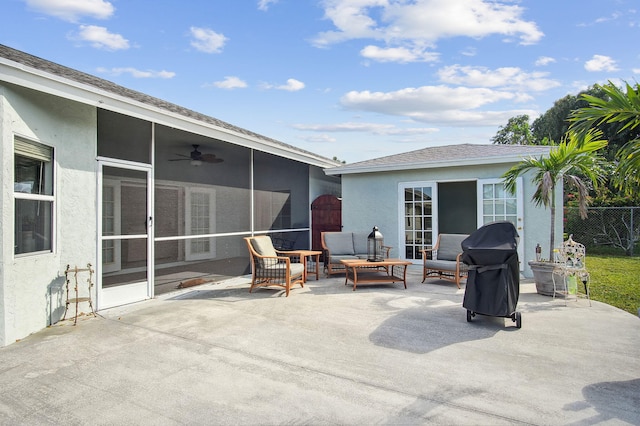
(619, 107)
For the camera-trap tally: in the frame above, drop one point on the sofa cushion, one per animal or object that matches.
(360, 242)
(450, 246)
(339, 243)
(335, 259)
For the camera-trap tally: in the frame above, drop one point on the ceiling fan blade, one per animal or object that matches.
(196, 155)
(210, 158)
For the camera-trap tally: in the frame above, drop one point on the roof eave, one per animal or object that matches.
(505, 159)
(33, 78)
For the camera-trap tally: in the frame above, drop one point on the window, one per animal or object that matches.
(34, 197)
(201, 220)
(498, 204)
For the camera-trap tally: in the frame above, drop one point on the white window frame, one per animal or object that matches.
(38, 197)
(116, 265)
(402, 186)
(211, 253)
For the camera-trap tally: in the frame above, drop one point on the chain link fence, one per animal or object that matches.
(606, 230)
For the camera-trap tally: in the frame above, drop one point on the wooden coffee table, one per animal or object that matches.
(361, 271)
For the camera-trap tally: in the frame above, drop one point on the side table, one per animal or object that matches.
(304, 256)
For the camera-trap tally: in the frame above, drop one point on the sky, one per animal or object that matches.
(351, 79)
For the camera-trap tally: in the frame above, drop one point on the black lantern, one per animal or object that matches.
(374, 246)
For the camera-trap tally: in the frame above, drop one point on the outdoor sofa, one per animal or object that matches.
(339, 246)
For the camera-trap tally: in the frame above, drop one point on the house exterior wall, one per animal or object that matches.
(321, 184)
(372, 199)
(32, 286)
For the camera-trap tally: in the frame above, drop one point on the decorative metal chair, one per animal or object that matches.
(271, 267)
(570, 267)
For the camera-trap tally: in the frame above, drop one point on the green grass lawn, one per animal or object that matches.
(615, 280)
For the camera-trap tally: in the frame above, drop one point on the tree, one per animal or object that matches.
(556, 121)
(516, 132)
(621, 109)
(573, 160)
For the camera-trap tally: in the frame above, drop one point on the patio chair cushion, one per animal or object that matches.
(264, 247)
(444, 265)
(278, 270)
(450, 246)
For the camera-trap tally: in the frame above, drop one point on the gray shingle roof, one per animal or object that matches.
(105, 85)
(444, 156)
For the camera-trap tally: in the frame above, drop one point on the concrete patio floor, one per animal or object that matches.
(215, 354)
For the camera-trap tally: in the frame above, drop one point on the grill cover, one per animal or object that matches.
(493, 284)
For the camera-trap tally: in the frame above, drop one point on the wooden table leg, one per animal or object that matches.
(404, 276)
(355, 278)
(317, 261)
(303, 260)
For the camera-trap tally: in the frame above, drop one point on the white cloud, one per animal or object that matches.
(137, 73)
(264, 4)
(320, 139)
(230, 82)
(600, 63)
(437, 104)
(614, 16)
(375, 128)
(469, 51)
(512, 78)
(206, 40)
(72, 10)
(423, 22)
(544, 61)
(101, 38)
(398, 54)
(351, 20)
(292, 85)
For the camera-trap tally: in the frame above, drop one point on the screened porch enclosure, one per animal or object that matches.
(201, 209)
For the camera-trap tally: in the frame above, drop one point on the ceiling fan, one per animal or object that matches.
(197, 158)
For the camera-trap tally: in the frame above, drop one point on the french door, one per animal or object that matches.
(495, 203)
(125, 229)
(418, 211)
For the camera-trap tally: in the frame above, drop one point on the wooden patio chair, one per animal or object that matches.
(444, 259)
(271, 267)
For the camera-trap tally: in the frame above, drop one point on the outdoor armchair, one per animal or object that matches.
(271, 267)
(444, 259)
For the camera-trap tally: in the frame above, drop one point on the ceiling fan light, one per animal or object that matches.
(196, 163)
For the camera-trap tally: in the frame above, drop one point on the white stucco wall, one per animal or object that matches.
(31, 286)
(321, 184)
(372, 199)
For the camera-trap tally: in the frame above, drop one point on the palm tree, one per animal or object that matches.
(618, 107)
(573, 160)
